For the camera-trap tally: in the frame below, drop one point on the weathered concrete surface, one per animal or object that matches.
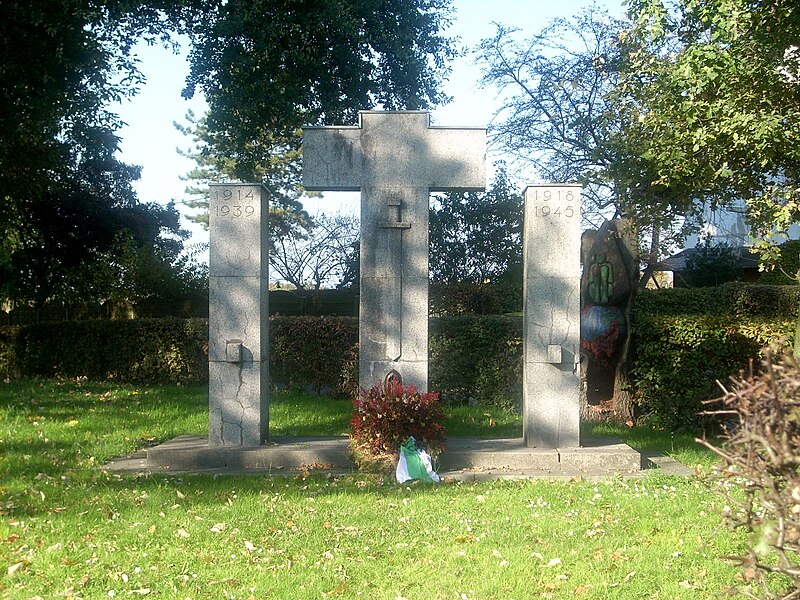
(551, 321)
(395, 159)
(238, 315)
(465, 459)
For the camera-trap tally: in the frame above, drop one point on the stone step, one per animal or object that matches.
(190, 453)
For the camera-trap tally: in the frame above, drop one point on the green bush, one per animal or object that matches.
(738, 300)
(788, 267)
(461, 299)
(477, 359)
(712, 265)
(313, 351)
(9, 364)
(678, 360)
(157, 350)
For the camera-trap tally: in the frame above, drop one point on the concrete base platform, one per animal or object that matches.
(187, 453)
(465, 458)
(598, 456)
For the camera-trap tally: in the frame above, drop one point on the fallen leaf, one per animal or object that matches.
(218, 528)
(249, 545)
(179, 495)
(554, 562)
(141, 592)
(182, 533)
(15, 567)
(581, 590)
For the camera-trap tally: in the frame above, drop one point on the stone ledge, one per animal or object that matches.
(465, 459)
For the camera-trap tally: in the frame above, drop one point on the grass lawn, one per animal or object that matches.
(70, 530)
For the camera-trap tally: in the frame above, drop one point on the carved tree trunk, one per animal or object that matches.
(623, 396)
(624, 407)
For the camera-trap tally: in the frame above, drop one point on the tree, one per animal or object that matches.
(711, 265)
(325, 255)
(709, 85)
(279, 173)
(475, 237)
(556, 116)
(269, 67)
(266, 67)
(65, 195)
(712, 108)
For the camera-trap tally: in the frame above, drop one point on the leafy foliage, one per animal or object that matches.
(679, 359)
(312, 350)
(709, 98)
(785, 267)
(477, 360)
(712, 265)
(66, 198)
(461, 299)
(476, 237)
(269, 67)
(146, 350)
(279, 172)
(557, 117)
(734, 300)
(686, 339)
(385, 416)
(759, 477)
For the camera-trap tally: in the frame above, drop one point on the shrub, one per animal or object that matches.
(144, 350)
(760, 475)
(785, 272)
(679, 359)
(459, 299)
(311, 350)
(384, 417)
(477, 359)
(738, 300)
(712, 265)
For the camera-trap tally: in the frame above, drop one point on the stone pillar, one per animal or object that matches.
(551, 321)
(238, 315)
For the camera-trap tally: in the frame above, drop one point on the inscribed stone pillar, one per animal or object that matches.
(395, 159)
(238, 343)
(551, 322)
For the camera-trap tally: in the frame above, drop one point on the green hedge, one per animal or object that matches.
(736, 299)
(477, 359)
(320, 352)
(154, 350)
(684, 340)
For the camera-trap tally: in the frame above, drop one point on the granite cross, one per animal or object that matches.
(395, 159)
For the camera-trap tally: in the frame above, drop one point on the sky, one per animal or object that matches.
(150, 140)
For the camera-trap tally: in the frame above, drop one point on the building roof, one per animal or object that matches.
(677, 262)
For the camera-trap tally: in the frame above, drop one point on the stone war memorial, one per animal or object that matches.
(395, 160)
